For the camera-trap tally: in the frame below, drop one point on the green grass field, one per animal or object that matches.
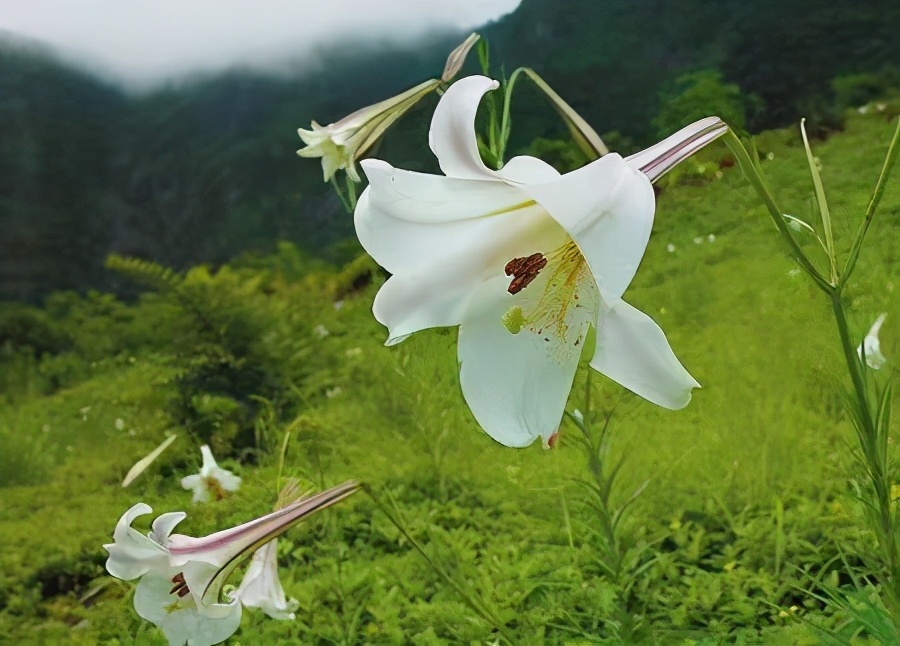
(749, 489)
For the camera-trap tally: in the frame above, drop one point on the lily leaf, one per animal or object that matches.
(142, 464)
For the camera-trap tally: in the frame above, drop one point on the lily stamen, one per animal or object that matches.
(524, 270)
(181, 587)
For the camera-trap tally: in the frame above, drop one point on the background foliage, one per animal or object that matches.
(749, 500)
(204, 170)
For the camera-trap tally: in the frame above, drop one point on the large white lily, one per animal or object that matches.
(525, 261)
(181, 577)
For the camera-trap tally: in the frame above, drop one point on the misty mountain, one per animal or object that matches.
(205, 170)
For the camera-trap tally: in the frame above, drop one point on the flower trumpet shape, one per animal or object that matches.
(181, 577)
(261, 588)
(871, 346)
(525, 261)
(213, 482)
(341, 144)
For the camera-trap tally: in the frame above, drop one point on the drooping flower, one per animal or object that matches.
(261, 588)
(341, 144)
(181, 577)
(213, 482)
(871, 346)
(525, 261)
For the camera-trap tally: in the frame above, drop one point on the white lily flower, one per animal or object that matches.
(341, 144)
(213, 482)
(181, 577)
(525, 261)
(872, 346)
(261, 588)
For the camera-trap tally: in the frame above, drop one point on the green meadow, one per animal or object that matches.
(746, 509)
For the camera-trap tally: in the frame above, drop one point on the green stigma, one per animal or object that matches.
(513, 319)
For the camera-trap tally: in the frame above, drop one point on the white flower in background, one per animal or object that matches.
(525, 261)
(711, 237)
(871, 346)
(670, 248)
(341, 144)
(181, 577)
(213, 482)
(321, 331)
(261, 587)
(120, 424)
(698, 240)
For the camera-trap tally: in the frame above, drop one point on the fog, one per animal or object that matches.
(143, 43)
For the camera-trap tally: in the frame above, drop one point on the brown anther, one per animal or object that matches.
(524, 270)
(181, 587)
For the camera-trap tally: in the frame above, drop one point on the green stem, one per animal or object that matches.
(755, 178)
(613, 556)
(340, 194)
(479, 609)
(351, 193)
(874, 451)
(505, 124)
(854, 366)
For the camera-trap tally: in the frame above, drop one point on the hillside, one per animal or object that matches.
(749, 493)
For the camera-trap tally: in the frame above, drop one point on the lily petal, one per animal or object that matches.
(516, 390)
(407, 220)
(607, 207)
(527, 170)
(261, 587)
(407, 304)
(178, 617)
(437, 267)
(133, 554)
(871, 345)
(633, 351)
(162, 526)
(660, 158)
(452, 133)
(224, 547)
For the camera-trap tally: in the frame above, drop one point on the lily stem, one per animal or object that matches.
(479, 609)
(872, 431)
(613, 554)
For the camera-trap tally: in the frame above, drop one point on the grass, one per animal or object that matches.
(749, 487)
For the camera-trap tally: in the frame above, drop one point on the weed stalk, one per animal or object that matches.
(870, 399)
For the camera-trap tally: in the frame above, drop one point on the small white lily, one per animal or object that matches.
(341, 144)
(872, 346)
(525, 261)
(261, 588)
(213, 482)
(181, 577)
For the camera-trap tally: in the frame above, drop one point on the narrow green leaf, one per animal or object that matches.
(585, 136)
(823, 204)
(886, 167)
(142, 464)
